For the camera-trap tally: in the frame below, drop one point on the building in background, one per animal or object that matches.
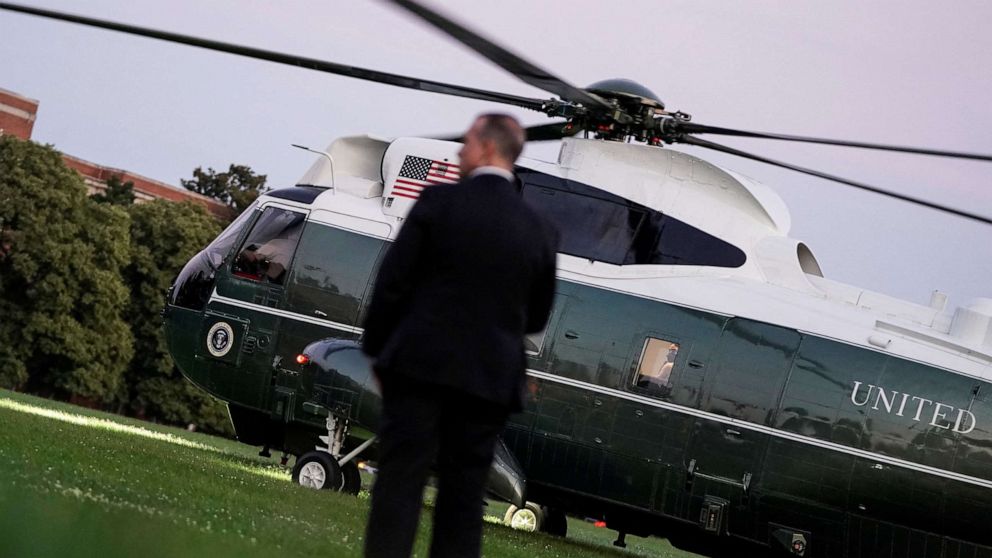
(17, 114)
(17, 117)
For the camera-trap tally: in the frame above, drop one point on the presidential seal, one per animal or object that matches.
(220, 338)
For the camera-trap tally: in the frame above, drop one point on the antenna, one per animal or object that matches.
(325, 154)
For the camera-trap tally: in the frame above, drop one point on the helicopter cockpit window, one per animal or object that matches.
(221, 246)
(654, 372)
(601, 226)
(269, 248)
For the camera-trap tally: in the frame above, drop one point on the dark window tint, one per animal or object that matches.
(193, 285)
(332, 271)
(605, 227)
(268, 250)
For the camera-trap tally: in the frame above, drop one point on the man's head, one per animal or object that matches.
(493, 140)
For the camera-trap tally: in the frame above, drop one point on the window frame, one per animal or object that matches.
(312, 225)
(246, 235)
(660, 391)
(654, 243)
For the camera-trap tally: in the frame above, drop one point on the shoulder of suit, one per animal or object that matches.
(436, 190)
(486, 177)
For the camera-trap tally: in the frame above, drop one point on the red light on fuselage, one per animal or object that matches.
(302, 359)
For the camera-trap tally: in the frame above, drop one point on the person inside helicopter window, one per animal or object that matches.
(270, 247)
(655, 370)
(268, 261)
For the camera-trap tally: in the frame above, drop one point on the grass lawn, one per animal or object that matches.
(79, 483)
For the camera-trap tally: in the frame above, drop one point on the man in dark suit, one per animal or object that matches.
(470, 273)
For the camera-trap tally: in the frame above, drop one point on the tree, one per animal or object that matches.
(61, 293)
(116, 192)
(238, 187)
(164, 236)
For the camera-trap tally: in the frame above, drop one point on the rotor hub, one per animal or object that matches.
(626, 110)
(627, 89)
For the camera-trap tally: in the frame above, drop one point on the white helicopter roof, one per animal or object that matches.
(780, 281)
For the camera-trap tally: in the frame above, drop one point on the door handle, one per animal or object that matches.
(690, 474)
(571, 335)
(319, 313)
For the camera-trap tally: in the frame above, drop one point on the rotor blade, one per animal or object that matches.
(524, 70)
(693, 128)
(543, 132)
(715, 146)
(292, 60)
(550, 132)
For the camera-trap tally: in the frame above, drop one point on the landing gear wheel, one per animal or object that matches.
(352, 478)
(529, 518)
(555, 522)
(317, 470)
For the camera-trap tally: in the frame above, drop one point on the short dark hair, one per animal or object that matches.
(505, 132)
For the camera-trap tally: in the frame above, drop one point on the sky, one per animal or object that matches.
(906, 73)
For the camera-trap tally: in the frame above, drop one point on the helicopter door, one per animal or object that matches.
(723, 462)
(650, 438)
(573, 428)
(326, 294)
(249, 293)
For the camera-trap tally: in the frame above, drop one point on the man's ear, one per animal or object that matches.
(492, 152)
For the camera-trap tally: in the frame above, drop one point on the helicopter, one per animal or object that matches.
(699, 375)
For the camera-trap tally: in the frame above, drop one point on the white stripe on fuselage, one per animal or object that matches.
(214, 297)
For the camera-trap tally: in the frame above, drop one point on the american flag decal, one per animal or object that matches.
(418, 173)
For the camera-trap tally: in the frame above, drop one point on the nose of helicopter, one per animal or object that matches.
(183, 315)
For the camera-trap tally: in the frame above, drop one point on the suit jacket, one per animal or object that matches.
(471, 271)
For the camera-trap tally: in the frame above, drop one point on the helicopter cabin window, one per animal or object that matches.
(654, 371)
(601, 226)
(269, 248)
(332, 272)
